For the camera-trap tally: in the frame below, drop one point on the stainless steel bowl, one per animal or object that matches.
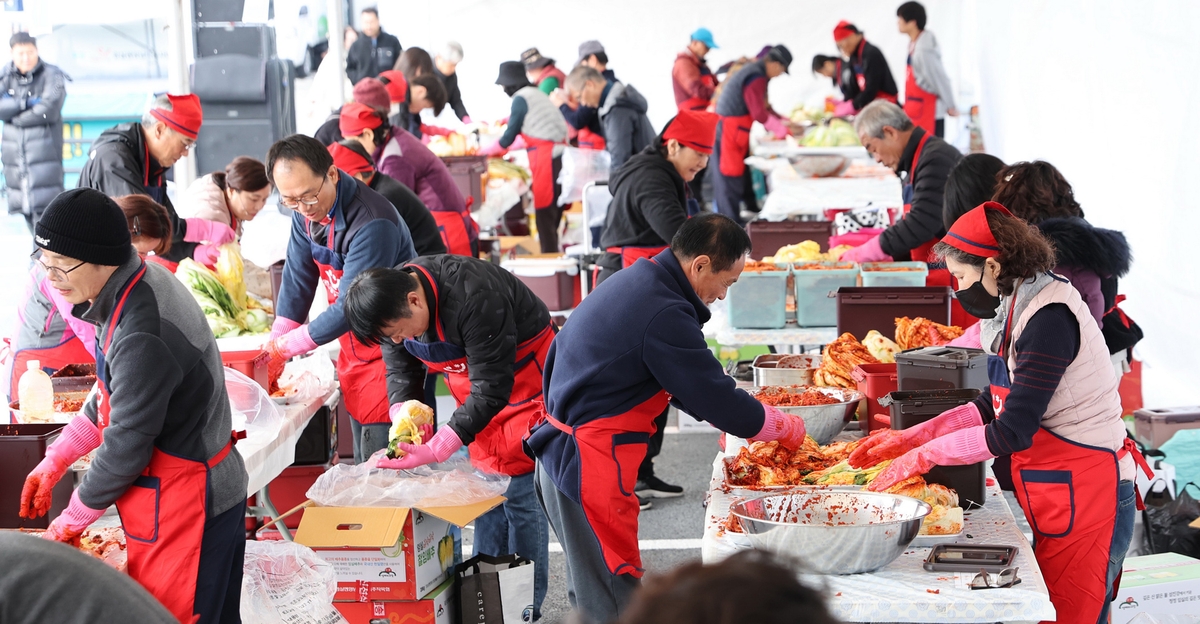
(767, 372)
(833, 531)
(820, 166)
(824, 422)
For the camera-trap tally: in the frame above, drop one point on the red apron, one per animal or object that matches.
(629, 255)
(610, 452)
(541, 168)
(919, 104)
(360, 367)
(53, 358)
(497, 449)
(735, 144)
(455, 231)
(163, 511)
(862, 80)
(590, 140)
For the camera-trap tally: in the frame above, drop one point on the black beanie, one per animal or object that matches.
(86, 225)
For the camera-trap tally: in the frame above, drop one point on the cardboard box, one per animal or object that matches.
(436, 608)
(383, 554)
(1157, 585)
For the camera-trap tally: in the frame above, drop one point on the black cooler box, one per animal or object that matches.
(942, 368)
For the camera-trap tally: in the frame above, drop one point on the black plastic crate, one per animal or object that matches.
(766, 237)
(942, 368)
(318, 442)
(22, 448)
(859, 310)
(912, 408)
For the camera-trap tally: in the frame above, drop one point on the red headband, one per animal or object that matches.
(843, 29)
(695, 129)
(349, 160)
(396, 85)
(357, 117)
(972, 234)
(185, 115)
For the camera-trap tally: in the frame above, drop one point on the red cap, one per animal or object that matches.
(695, 129)
(371, 92)
(972, 234)
(349, 160)
(396, 85)
(357, 117)
(843, 29)
(185, 115)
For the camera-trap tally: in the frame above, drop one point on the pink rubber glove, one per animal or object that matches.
(207, 255)
(893, 444)
(969, 339)
(205, 231)
(466, 119)
(869, 251)
(494, 150)
(77, 439)
(518, 144)
(394, 414)
(844, 109)
(776, 126)
(72, 522)
(291, 344)
(438, 449)
(963, 447)
(788, 429)
(280, 327)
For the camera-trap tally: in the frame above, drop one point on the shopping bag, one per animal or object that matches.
(495, 590)
(1167, 523)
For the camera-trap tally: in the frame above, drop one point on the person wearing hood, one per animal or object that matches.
(871, 71)
(622, 112)
(542, 129)
(743, 101)
(928, 96)
(541, 71)
(584, 119)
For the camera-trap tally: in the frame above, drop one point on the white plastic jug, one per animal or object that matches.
(35, 392)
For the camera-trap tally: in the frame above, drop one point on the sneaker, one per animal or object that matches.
(644, 503)
(653, 487)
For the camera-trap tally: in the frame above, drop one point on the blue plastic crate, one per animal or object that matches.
(759, 300)
(814, 305)
(913, 278)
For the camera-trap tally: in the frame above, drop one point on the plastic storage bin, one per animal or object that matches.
(1154, 427)
(22, 447)
(470, 175)
(253, 364)
(758, 300)
(910, 274)
(553, 280)
(766, 237)
(942, 368)
(875, 381)
(859, 310)
(909, 409)
(816, 298)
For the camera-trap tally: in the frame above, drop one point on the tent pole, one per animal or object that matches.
(179, 31)
(336, 19)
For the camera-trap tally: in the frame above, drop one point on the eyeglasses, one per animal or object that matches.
(1005, 578)
(288, 202)
(56, 274)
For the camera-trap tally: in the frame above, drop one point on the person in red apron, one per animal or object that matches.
(340, 228)
(161, 409)
(743, 101)
(1073, 465)
(609, 375)
(871, 72)
(544, 131)
(47, 331)
(926, 105)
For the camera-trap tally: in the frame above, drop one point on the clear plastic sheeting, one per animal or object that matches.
(252, 407)
(580, 167)
(447, 484)
(307, 378)
(286, 583)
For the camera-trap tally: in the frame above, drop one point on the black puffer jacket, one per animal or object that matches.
(119, 164)
(649, 205)
(1091, 257)
(364, 60)
(627, 129)
(32, 146)
(426, 237)
(924, 222)
(487, 311)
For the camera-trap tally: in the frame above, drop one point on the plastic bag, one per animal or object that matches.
(579, 167)
(286, 583)
(1167, 524)
(250, 402)
(307, 378)
(449, 483)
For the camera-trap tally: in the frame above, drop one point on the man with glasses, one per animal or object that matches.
(133, 158)
(340, 228)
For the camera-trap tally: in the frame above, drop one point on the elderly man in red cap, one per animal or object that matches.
(871, 71)
(132, 159)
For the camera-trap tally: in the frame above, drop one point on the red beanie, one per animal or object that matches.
(972, 234)
(396, 84)
(357, 117)
(695, 129)
(185, 115)
(844, 29)
(349, 160)
(371, 92)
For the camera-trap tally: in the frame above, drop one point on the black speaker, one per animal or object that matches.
(236, 125)
(218, 10)
(319, 440)
(255, 40)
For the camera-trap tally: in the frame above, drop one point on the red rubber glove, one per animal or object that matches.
(72, 522)
(960, 448)
(844, 109)
(436, 450)
(777, 425)
(869, 251)
(893, 444)
(211, 232)
(77, 439)
(291, 344)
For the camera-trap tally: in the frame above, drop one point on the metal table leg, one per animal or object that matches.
(266, 509)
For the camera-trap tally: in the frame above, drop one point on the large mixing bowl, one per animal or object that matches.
(824, 422)
(798, 369)
(820, 165)
(832, 531)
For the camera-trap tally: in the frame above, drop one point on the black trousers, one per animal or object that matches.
(550, 218)
(939, 128)
(655, 445)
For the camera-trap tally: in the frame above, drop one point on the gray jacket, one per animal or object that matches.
(32, 145)
(168, 388)
(627, 129)
(930, 73)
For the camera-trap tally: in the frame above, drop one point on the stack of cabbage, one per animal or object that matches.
(222, 295)
(837, 133)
